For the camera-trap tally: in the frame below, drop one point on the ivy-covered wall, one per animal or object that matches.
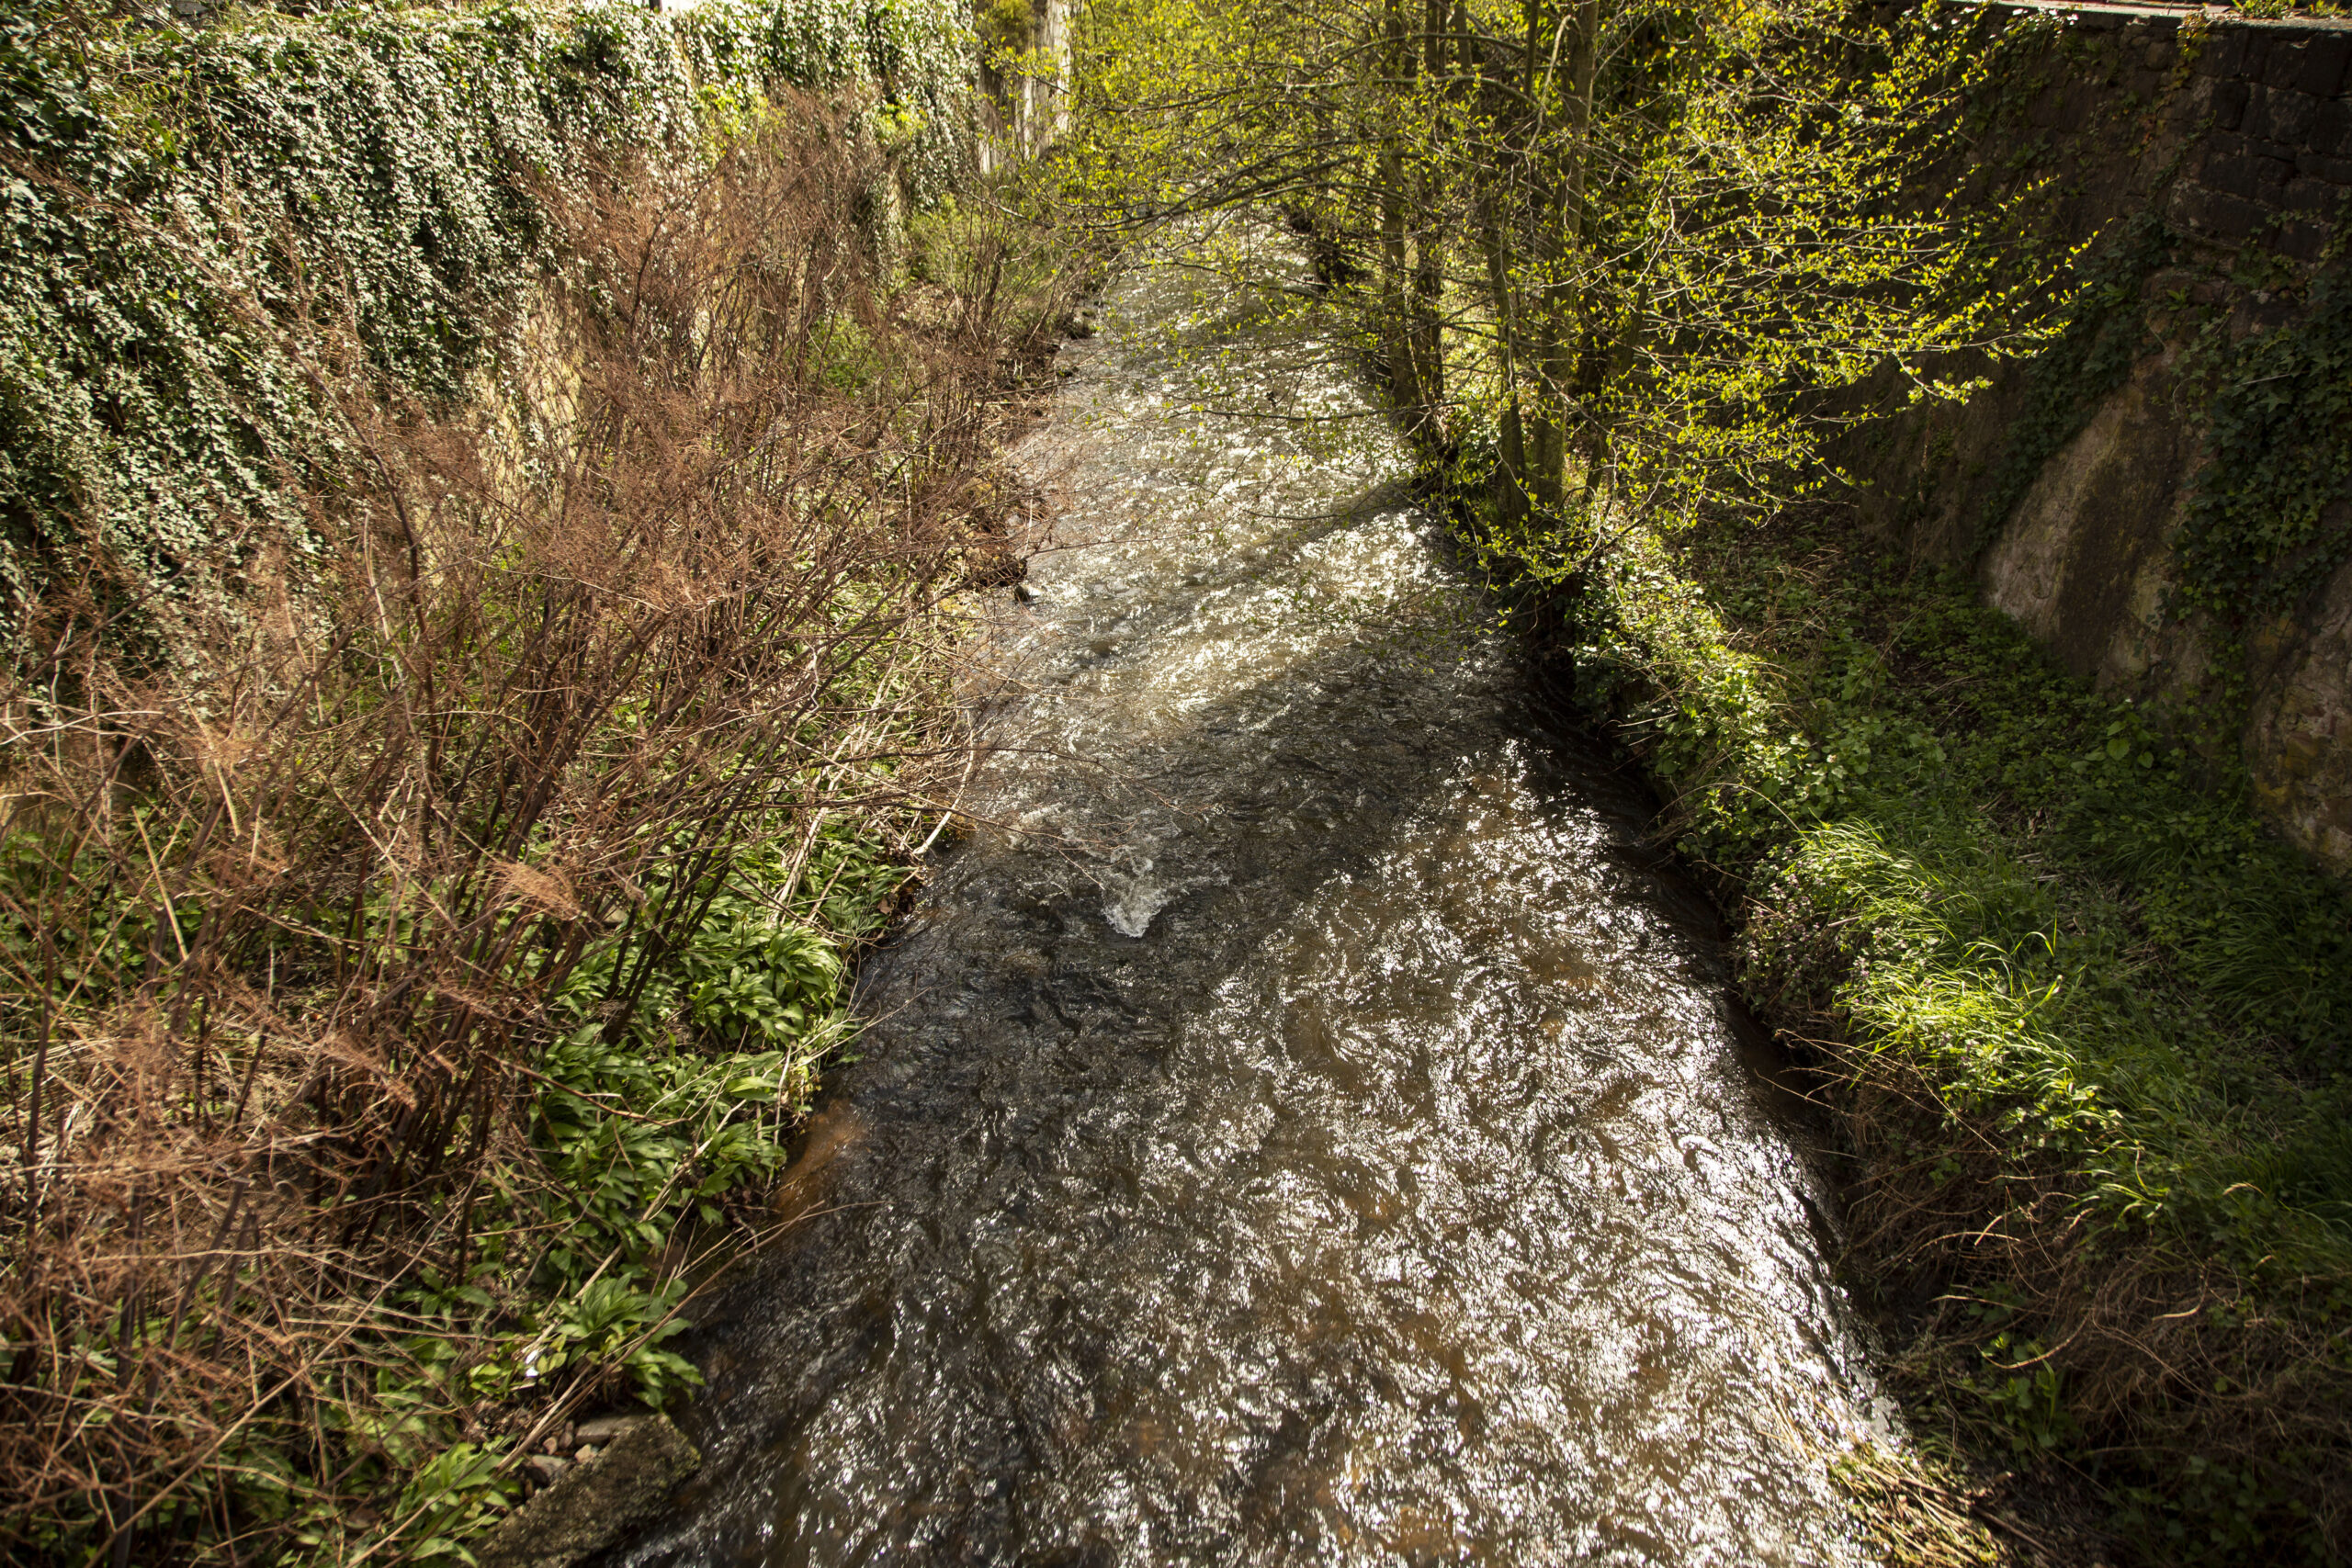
(201, 232)
(2163, 497)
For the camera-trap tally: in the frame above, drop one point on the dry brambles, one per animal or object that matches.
(288, 880)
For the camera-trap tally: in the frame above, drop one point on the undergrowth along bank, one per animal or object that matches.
(417, 953)
(2082, 1016)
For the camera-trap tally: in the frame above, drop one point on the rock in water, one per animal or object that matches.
(594, 1505)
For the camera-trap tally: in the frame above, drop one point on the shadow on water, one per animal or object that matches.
(1310, 1128)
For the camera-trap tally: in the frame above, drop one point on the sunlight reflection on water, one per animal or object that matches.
(1313, 1130)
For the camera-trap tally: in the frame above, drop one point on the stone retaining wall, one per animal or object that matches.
(2227, 145)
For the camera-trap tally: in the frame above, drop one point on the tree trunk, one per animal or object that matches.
(1558, 245)
(1397, 345)
(1427, 330)
(1511, 473)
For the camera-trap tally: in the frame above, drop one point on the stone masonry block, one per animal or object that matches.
(2248, 176)
(2320, 166)
(2256, 55)
(2330, 128)
(2281, 113)
(2214, 214)
(2185, 112)
(2282, 64)
(2302, 239)
(2223, 53)
(2324, 60)
(2317, 197)
(2222, 144)
(2229, 99)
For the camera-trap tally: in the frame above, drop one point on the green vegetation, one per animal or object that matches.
(2082, 1015)
(1627, 249)
(486, 510)
(1625, 270)
(252, 212)
(2267, 523)
(482, 495)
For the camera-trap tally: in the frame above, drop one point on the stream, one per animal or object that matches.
(1304, 1124)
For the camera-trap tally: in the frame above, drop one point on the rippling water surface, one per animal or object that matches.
(1308, 1128)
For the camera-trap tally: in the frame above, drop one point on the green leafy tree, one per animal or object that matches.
(1625, 252)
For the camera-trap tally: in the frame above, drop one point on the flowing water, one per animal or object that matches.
(1306, 1126)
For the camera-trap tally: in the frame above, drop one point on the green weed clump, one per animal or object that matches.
(2087, 1021)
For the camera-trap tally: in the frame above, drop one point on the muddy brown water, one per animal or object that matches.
(1308, 1127)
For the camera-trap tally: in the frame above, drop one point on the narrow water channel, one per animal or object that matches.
(1306, 1127)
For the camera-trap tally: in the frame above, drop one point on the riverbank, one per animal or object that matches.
(489, 530)
(2079, 1014)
